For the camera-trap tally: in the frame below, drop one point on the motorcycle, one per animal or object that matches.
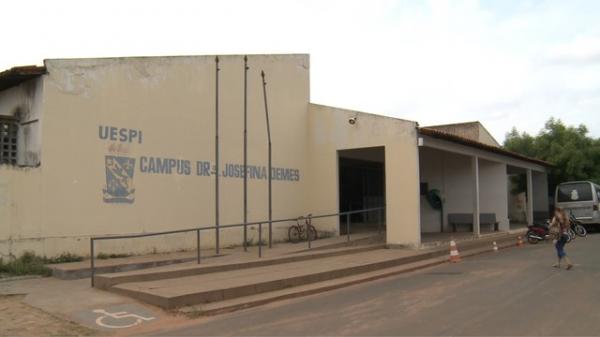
(538, 232)
(577, 226)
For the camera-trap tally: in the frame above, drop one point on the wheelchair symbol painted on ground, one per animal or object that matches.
(119, 320)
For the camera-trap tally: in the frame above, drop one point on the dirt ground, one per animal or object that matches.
(20, 319)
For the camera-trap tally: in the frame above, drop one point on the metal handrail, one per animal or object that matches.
(259, 223)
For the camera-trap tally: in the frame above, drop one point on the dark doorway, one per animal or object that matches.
(362, 186)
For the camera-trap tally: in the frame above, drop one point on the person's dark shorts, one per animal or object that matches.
(560, 246)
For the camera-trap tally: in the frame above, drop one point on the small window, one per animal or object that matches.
(8, 141)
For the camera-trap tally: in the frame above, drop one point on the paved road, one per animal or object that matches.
(513, 292)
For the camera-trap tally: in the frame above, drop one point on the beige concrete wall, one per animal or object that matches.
(170, 101)
(329, 131)
(493, 195)
(20, 209)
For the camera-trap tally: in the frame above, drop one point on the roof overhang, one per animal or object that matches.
(17, 75)
(471, 143)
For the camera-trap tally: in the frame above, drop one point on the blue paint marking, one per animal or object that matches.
(165, 165)
(260, 172)
(119, 180)
(122, 135)
(203, 168)
(120, 169)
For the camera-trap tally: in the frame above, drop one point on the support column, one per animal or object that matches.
(403, 223)
(529, 197)
(475, 171)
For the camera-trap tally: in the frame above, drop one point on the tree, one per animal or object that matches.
(574, 154)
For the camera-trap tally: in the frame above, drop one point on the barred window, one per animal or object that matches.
(8, 141)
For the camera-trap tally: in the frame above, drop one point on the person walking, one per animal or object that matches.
(560, 226)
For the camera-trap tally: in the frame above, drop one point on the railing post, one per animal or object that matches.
(260, 240)
(92, 266)
(348, 227)
(198, 243)
(270, 233)
(245, 237)
(308, 221)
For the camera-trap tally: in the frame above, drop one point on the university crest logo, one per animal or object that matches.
(119, 180)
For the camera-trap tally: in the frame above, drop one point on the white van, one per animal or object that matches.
(581, 198)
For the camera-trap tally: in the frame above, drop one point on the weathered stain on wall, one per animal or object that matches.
(128, 147)
(165, 176)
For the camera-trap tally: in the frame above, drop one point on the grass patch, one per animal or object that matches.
(31, 264)
(26, 264)
(64, 258)
(104, 256)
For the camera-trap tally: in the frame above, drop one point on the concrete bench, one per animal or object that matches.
(457, 219)
(489, 219)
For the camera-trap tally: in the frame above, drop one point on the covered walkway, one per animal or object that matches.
(466, 185)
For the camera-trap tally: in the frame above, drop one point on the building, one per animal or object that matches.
(127, 145)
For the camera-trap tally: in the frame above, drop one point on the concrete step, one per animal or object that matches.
(228, 285)
(240, 303)
(366, 240)
(79, 270)
(105, 281)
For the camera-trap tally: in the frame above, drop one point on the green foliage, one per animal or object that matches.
(574, 154)
(31, 264)
(26, 264)
(64, 258)
(104, 256)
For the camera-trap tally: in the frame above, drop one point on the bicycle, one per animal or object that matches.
(298, 232)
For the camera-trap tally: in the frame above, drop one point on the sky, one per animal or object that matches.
(504, 62)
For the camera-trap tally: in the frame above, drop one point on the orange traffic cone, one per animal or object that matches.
(454, 255)
(519, 241)
(495, 247)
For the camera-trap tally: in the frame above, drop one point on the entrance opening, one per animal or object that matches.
(517, 197)
(362, 186)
